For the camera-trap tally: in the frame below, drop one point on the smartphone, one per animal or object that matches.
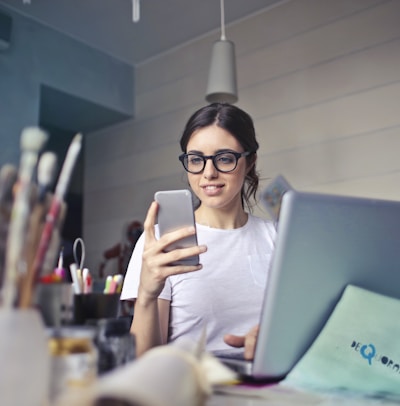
(176, 211)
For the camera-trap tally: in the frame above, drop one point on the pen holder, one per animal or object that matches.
(94, 306)
(25, 360)
(55, 302)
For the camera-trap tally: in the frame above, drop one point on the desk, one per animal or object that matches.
(225, 400)
(133, 382)
(235, 400)
(75, 397)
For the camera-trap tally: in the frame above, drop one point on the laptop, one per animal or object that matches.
(324, 243)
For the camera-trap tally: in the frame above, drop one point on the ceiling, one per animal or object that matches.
(107, 25)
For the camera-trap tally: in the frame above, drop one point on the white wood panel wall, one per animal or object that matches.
(321, 79)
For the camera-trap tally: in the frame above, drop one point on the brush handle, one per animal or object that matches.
(45, 173)
(8, 177)
(68, 166)
(44, 242)
(18, 224)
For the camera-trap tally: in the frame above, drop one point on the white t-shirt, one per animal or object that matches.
(226, 295)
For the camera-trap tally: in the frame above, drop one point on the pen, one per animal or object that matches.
(60, 271)
(75, 281)
(107, 286)
(87, 281)
(118, 279)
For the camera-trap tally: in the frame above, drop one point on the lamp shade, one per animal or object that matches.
(222, 75)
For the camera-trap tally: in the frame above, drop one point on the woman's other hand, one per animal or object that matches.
(247, 341)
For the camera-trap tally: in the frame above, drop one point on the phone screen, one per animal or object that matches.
(176, 211)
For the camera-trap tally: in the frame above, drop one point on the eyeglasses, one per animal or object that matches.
(223, 161)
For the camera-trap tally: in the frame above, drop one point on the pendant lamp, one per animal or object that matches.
(222, 85)
(135, 11)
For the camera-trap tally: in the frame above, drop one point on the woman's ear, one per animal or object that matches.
(252, 162)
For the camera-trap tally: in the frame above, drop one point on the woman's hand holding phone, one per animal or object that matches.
(175, 211)
(157, 256)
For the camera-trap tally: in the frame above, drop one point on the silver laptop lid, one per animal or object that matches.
(324, 242)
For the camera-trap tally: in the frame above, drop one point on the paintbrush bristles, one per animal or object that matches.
(46, 170)
(33, 139)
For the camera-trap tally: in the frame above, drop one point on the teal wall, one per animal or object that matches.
(39, 55)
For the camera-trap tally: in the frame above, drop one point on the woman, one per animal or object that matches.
(223, 294)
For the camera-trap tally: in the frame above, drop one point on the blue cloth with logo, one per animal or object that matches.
(358, 350)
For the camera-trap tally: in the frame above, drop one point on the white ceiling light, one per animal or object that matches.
(135, 10)
(222, 85)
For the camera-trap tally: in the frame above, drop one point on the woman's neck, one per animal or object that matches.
(221, 218)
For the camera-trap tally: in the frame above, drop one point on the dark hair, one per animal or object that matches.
(238, 123)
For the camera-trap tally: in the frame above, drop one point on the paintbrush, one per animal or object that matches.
(8, 177)
(45, 176)
(32, 141)
(46, 173)
(52, 217)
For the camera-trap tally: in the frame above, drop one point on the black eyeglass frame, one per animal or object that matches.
(205, 158)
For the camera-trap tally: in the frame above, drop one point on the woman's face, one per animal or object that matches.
(216, 189)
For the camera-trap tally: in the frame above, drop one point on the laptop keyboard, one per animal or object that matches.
(231, 354)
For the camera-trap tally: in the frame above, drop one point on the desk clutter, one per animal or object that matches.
(85, 335)
(353, 361)
(54, 333)
(64, 303)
